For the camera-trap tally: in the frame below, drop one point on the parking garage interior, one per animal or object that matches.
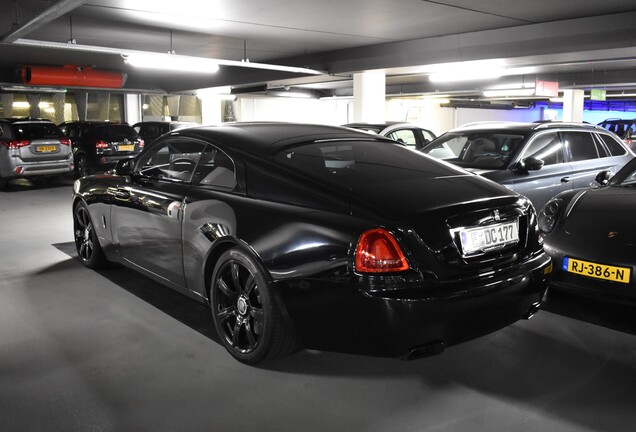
(112, 350)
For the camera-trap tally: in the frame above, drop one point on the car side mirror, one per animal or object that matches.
(603, 177)
(530, 164)
(125, 167)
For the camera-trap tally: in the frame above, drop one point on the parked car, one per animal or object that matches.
(405, 133)
(151, 130)
(98, 145)
(590, 236)
(625, 129)
(538, 160)
(32, 148)
(319, 237)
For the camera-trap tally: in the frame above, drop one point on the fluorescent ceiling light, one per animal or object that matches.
(467, 71)
(129, 53)
(509, 92)
(21, 104)
(468, 75)
(172, 62)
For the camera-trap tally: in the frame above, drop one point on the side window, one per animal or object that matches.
(215, 169)
(580, 145)
(547, 147)
(427, 135)
(405, 136)
(5, 133)
(171, 160)
(614, 147)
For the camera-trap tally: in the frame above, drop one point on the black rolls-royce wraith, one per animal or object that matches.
(318, 237)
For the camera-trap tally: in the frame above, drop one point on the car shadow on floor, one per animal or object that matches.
(189, 312)
(592, 310)
(23, 184)
(556, 366)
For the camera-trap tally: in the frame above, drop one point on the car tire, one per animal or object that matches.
(83, 166)
(87, 244)
(3, 183)
(245, 311)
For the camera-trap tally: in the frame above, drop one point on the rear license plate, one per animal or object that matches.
(491, 237)
(596, 270)
(46, 149)
(127, 147)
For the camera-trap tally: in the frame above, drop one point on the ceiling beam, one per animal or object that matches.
(57, 10)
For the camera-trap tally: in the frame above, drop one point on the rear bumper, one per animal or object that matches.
(342, 317)
(105, 162)
(16, 168)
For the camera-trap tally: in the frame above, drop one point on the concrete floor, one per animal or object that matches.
(113, 351)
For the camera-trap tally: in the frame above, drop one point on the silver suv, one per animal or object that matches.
(30, 148)
(538, 160)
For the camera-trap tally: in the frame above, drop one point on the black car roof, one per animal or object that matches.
(24, 120)
(373, 125)
(270, 136)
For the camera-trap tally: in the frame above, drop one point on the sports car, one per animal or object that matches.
(591, 237)
(307, 236)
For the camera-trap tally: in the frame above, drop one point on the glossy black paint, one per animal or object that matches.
(596, 225)
(304, 231)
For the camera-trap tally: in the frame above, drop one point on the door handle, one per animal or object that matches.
(565, 179)
(120, 194)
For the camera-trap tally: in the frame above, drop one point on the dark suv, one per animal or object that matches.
(538, 160)
(151, 130)
(32, 148)
(625, 129)
(97, 146)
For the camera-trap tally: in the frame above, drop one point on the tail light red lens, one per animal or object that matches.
(16, 144)
(101, 144)
(379, 252)
(65, 141)
(141, 143)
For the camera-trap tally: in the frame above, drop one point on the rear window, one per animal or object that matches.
(121, 132)
(614, 147)
(33, 131)
(353, 164)
(484, 149)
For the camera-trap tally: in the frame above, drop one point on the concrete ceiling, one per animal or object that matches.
(580, 43)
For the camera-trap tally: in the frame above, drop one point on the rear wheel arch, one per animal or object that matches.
(222, 246)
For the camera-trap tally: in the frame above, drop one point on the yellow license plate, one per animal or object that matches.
(46, 149)
(597, 271)
(127, 147)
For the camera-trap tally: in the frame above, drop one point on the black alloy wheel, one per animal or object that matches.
(246, 316)
(86, 242)
(82, 166)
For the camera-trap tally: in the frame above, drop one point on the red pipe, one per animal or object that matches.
(70, 75)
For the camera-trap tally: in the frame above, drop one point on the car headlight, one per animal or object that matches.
(550, 215)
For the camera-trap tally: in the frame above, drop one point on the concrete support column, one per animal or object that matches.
(573, 105)
(7, 104)
(173, 107)
(211, 109)
(59, 99)
(81, 100)
(132, 107)
(369, 96)
(34, 100)
(103, 106)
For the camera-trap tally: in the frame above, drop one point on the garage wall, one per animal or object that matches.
(324, 111)
(425, 112)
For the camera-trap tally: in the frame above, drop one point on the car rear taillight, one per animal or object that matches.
(141, 143)
(101, 144)
(65, 141)
(379, 252)
(16, 144)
